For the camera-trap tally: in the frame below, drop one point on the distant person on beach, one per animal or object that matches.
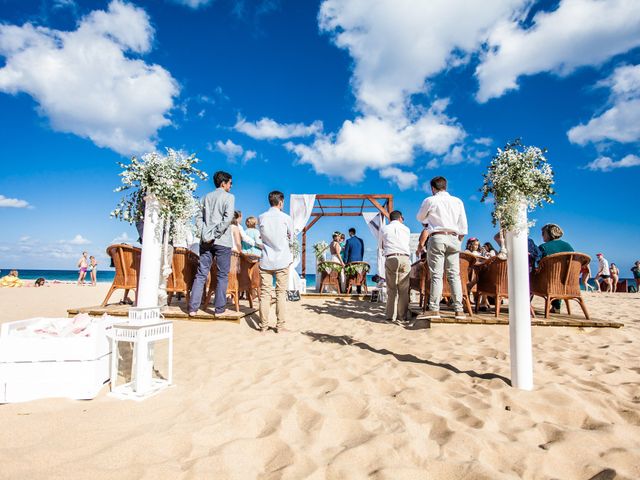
(335, 249)
(82, 266)
(354, 251)
(396, 248)
(254, 234)
(276, 230)
(447, 222)
(93, 269)
(585, 273)
(636, 274)
(604, 273)
(615, 276)
(214, 228)
(40, 281)
(11, 280)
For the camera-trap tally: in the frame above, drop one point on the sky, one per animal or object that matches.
(331, 96)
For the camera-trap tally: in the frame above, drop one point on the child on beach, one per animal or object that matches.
(93, 269)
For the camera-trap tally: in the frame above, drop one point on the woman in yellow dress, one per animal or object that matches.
(11, 280)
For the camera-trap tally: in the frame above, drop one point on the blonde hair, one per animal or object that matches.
(251, 222)
(553, 231)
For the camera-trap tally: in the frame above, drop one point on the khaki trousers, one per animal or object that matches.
(443, 257)
(266, 290)
(397, 270)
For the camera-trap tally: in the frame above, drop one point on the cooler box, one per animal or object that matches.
(34, 366)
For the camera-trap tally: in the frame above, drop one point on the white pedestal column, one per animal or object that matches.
(151, 257)
(519, 313)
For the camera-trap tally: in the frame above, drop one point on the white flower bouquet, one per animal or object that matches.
(319, 249)
(517, 174)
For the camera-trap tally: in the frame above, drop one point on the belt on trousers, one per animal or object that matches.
(445, 233)
(396, 255)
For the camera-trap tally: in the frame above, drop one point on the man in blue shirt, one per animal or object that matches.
(354, 251)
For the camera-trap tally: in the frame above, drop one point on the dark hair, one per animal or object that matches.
(439, 183)
(221, 177)
(488, 246)
(395, 215)
(236, 215)
(39, 282)
(352, 231)
(275, 198)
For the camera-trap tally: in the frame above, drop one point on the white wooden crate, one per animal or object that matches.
(42, 367)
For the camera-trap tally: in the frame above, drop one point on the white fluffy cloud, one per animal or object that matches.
(401, 178)
(377, 143)
(7, 202)
(397, 45)
(577, 33)
(78, 240)
(621, 122)
(123, 238)
(267, 128)
(606, 164)
(234, 151)
(84, 82)
(195, 4)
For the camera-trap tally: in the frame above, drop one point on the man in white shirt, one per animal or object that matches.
(446, 223)
(276, 230)
(603, 273)
(396, 239)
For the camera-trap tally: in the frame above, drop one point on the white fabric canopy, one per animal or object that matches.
(375, 221)
(300, 207)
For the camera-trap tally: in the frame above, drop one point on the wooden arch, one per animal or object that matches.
(350, 205)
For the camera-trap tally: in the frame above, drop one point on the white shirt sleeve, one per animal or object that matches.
(463, 228)
(423, 213)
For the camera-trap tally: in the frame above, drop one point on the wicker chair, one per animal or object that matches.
(467, 261)
(417, 279)
(558, 278)
(250, 276)
(359, 279)
(184, 266)
(330, 277)
(126, 260)
(233, 287)
(492, 282)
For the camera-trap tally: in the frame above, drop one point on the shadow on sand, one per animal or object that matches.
(361, 310)
(347, 340)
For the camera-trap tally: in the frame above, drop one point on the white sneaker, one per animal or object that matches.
(459, 316)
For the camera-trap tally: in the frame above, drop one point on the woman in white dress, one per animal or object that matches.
(336, 256)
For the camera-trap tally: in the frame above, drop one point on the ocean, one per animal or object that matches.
(106, 276)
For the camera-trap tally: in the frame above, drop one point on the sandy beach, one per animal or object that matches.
(346, 396)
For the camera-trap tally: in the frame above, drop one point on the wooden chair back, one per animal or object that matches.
(250, 275)
(467, 261)
(126, 260)
(559, 274)
(184, 266)
(359, 279)
(492, 278)
(329, 276)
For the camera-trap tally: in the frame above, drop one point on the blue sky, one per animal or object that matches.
(350, 96)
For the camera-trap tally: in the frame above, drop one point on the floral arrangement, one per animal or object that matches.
(353, 270)
(517, 174)
(170, 177)
(319, 249)
(328, 267)
(294, 245)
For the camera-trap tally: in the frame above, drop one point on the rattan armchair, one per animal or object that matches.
(126, 260)
(492, 282)
(418, 278)
(184, 266)
(558, 278)
(250, 276)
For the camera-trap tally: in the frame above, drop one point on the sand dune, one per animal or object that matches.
(347, 397)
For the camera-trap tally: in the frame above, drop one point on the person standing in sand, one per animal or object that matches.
(213, 225)
(93, 270)
(604, 273)
(82, 266)
(276, 230)
(636, 274)
(396, 248)
(447, 226)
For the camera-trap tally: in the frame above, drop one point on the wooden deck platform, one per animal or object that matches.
(489, 318)
(177, 311)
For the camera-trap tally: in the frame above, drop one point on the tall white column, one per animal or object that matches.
(519, 313)
(151, 258)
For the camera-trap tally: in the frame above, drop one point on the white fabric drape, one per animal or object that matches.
(375, 221)
(300, 207)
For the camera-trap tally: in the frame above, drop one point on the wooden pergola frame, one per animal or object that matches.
(346, 205)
